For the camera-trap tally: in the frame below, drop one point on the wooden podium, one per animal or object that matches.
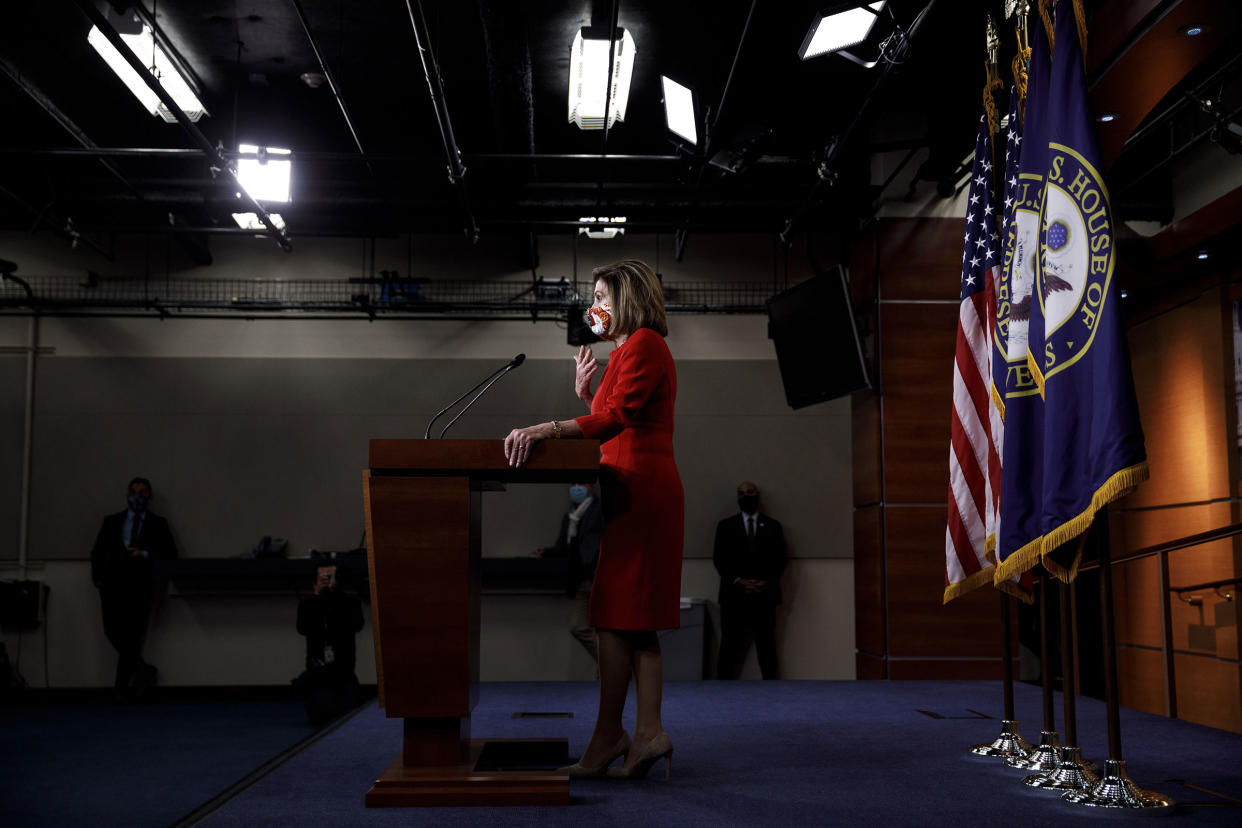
(422, 501)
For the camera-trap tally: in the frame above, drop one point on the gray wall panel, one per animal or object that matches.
(12, 423)
(239, 448)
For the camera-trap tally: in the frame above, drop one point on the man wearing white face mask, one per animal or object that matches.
(578, 542)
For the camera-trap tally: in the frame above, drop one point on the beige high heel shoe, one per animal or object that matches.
(661, 747)
(579, 771)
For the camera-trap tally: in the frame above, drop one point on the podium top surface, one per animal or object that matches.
(553, 461)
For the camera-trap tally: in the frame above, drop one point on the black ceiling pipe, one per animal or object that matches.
(612, 56)
(197, 250)
(709, 131)
(64, 229)
(390, 157)
(66, 123)
(435, 87)
(332, 84)
(827, 170)
(215, 158)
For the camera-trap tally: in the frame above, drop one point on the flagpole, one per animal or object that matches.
(1009, 744)
(1007, 654)
(1072, 772)
(1115, 789)
(1046, 755)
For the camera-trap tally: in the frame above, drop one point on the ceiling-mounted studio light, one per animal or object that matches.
(591, 85)
(141, 41)
(679, 111)
(265, 178)
(601, 227)
(251, 221)
(838, 27)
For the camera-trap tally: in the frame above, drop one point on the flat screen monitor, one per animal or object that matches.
(817, 344)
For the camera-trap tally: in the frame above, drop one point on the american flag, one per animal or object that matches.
(974, 451)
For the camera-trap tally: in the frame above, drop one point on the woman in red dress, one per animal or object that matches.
(638, 579)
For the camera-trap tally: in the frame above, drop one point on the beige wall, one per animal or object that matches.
(801, 459)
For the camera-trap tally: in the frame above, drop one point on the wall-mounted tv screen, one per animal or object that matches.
(817, 344)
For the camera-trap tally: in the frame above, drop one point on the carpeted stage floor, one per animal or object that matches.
(747, 753)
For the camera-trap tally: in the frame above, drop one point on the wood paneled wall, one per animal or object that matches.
(905, 281)
(1183, 374)
(905, 276)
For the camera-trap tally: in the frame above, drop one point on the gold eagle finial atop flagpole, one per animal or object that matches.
(1021, 10)
(993, 74)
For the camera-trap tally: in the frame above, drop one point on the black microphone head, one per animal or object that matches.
(517, 360)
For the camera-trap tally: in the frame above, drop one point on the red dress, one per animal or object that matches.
(638, 578)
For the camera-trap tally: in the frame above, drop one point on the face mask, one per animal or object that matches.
(138, 503)
(600, 319)
(577, 493)
(748, 503)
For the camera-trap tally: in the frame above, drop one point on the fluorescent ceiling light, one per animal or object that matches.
(265, 179)
(839, 28)
(679, 110)
(251, 221)
(143, 46)
(591, 86)
(601, 232)
(592, 228)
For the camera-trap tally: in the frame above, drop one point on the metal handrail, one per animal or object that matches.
(1208, 585)
(1162, 550)
(1219, 533)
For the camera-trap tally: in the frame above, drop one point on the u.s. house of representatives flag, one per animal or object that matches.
(1093, 447)
(1018, 542)
(974, 462)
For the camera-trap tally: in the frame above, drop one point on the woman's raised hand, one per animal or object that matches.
(586, 368)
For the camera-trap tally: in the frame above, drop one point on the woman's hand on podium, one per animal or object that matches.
(521, 441)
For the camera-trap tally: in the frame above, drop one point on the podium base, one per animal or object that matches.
(501, 772)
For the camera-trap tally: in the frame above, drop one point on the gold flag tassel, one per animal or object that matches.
(1046, 10)
(1022, 59)
(992, 72)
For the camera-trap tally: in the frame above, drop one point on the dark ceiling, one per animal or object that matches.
(504, 65)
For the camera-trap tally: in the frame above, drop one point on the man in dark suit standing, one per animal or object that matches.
(750, 556)
(121, 568)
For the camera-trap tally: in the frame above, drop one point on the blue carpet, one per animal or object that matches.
(101, 765)
(769, 753)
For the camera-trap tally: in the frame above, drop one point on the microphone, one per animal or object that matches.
(493, 377)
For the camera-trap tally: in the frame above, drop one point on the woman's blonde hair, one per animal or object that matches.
(637, 297)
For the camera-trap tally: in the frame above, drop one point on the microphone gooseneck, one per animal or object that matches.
(493, 376)
(513, 363)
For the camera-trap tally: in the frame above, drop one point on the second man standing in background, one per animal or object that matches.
(749, 554)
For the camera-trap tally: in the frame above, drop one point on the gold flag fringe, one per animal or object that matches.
(1017, 563)
(969, 584)
(1031, 364)
(1118, 485)
(1040, 549)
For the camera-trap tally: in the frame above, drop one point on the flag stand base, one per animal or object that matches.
(1008, 743)
(1117, 790)
(1043, 757)
(1072, 773)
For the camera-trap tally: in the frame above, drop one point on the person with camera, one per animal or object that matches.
(330, 619)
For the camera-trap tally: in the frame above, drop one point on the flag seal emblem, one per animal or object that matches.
(1078, 258)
